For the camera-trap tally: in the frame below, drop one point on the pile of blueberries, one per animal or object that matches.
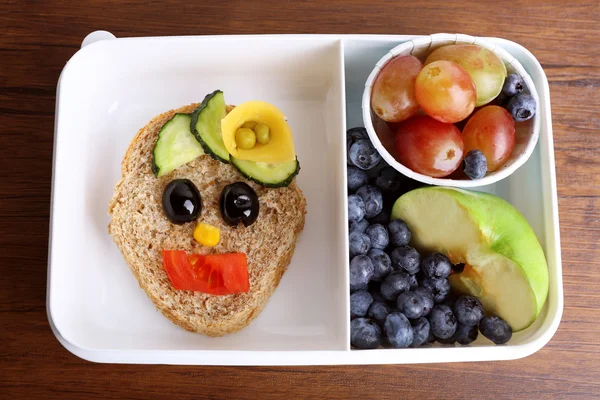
(399, 298)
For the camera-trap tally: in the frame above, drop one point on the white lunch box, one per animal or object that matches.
(112, 87)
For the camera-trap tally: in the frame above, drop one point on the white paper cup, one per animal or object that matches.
(527, 133)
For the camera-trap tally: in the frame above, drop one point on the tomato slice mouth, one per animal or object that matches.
(216, 274)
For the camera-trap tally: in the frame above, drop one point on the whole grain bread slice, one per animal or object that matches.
(141, 231)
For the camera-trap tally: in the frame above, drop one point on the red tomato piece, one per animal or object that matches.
(217, 274)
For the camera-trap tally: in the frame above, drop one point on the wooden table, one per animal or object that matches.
(38, 37)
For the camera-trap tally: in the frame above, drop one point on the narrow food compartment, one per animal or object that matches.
(531, 190)
(107, 92)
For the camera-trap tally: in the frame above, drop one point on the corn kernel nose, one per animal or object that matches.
(207, 235)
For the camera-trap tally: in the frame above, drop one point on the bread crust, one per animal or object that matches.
(141, 231)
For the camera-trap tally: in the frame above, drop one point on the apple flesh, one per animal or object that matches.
(505, 266)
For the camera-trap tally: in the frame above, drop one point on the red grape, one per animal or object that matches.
(428, 146)
(393, 94)
(483, 66)
(445, 91)
(492, 130)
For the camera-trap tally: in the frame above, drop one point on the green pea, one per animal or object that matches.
(245, 138)
(263, 133)
(249, 125)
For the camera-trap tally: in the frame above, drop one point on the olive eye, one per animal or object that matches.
(239, 202)
(181, 201)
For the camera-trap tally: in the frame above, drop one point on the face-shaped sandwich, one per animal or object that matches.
(206, 219)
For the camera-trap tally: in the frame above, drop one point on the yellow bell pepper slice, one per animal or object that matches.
(280, 147)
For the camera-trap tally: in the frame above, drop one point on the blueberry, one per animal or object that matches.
(450, 299)
(356, 178)
(466, 334)
(359, 243)
(364, 334)
(398, 330)
(382, 218)
(381, 263)
(375, 290)
(436, 265)
(378, 236)
(372, 198)
(399, 233)
(522, 107)
(468, 310)
(360, 301)
(407, 185)
(363, 154)
(389, 180)
(373, 172)
(427, 298)
(356, 208)
(495, 329)
(360, 226)
(358, 132)
(394, 284)
(420, 277)
(430, 338)
(352, 135)
(475, 164)
(405, 258)
(500, 100)
(450, 340)
(410, 304)
(379, 311)
(421, 331)
(439, 287)
(413, 282)
(458, 268)
(513, 85)
(361, 271)
(443, 322)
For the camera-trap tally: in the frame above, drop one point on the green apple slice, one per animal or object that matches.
(505, 266)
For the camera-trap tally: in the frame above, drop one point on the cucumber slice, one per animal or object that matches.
(206, 125)
(268, 175)
(176, 145)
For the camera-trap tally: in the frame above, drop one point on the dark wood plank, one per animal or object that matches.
(38, 37)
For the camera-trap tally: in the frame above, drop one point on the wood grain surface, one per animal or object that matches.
(38, 37)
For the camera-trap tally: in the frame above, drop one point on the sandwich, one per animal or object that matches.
(207, 223)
